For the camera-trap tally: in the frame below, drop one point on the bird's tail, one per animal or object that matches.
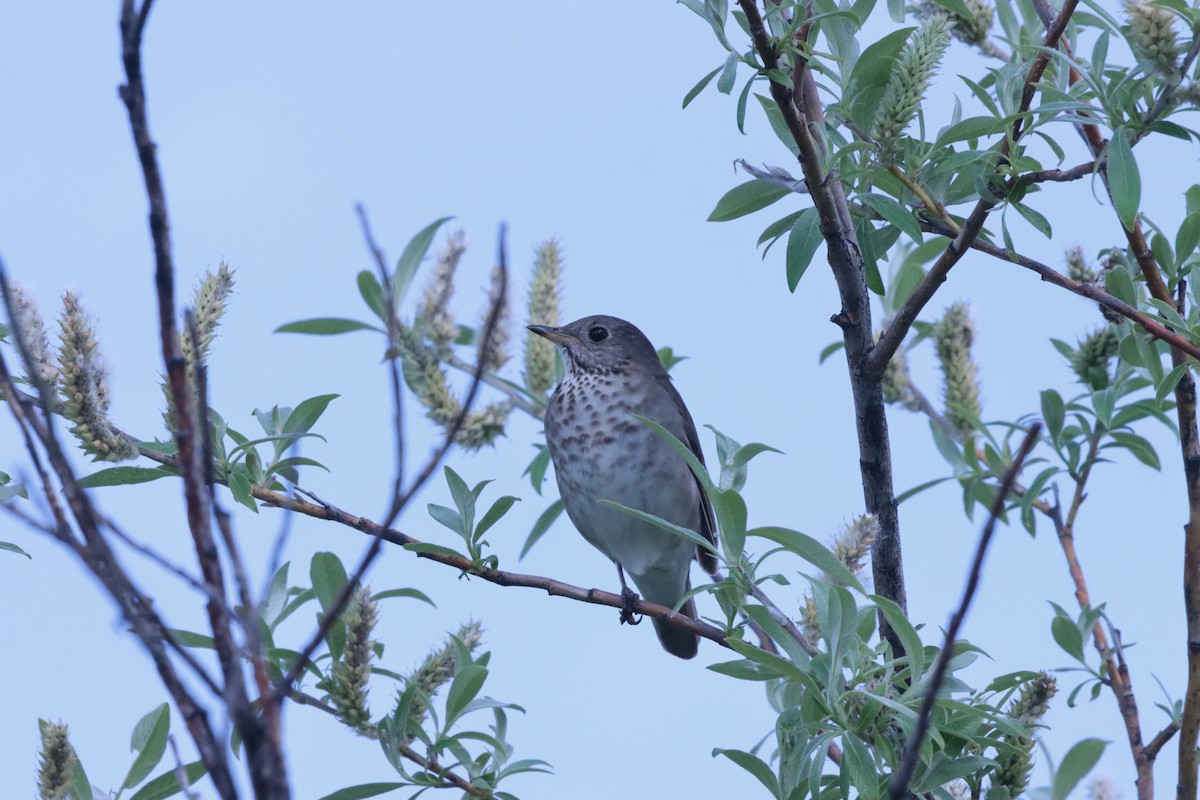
(677, 641)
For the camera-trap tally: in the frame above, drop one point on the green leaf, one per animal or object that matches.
(1035, 219)
(149, 741)
(372, 292)
(463, 689)
(239, 487)
(1169, 383)
(907, 633)
(699, 87)
(167, 784)
(1142, 450)
(12, 548)
(1076, 764)
(411, 258)
(870, 74)
(754, 765)
(447, 517)
(464, 499)
(829, 350)
(684, 451)
(1123, 178)
(328, 577)
(1066, 634)
(326, 326)
(894, 213)
(305, 415)
(745, 199)
(731, 513)
(811, 551)
(416, 594)
(1119, 284)
(863, 774)
(802, 245)
(969, 128)
(670, 527)
(1054, 413)
(728, 74)
(541, 526)
(493, 514)
(1187, 237)
(433, 549)
(364, 790)
(124, 476)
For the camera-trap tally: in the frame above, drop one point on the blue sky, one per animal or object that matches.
(563, 120)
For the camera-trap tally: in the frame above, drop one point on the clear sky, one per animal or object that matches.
(564, 120)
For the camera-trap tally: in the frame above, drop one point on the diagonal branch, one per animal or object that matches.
(899, 786)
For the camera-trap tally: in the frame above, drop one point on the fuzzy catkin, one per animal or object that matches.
(1152, 35)
(434, 316)
(27, 320)
(83, 384)
(909, 80)
(954, 336)
(544, 295)
(348, 679)
(439, 667)
(56, 762)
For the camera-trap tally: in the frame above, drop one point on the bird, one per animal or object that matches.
(600, 451)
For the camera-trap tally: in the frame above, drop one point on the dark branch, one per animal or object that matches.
(899, 786)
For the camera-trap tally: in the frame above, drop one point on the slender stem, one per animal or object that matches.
(899, 785)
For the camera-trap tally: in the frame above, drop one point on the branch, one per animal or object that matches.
(1089, 290)
(900, 781)
(552, 587)
(802, 112)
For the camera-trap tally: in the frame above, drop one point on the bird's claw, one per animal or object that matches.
(629, 599)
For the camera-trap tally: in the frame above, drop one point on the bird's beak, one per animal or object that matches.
(555, 335)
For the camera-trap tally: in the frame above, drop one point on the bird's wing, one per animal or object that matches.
(708, 521)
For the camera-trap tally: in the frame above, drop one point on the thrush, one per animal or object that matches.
(602, 452)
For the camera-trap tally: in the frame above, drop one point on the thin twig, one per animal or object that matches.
(392, 328)
(899, 785)
(1084, 289)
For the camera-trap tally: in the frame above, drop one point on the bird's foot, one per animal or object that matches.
(629, 615)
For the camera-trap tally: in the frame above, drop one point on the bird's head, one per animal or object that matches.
(601, 345)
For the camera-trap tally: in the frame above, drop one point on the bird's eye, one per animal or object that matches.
(598, 334)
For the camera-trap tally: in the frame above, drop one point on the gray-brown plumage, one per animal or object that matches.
(601, 452)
